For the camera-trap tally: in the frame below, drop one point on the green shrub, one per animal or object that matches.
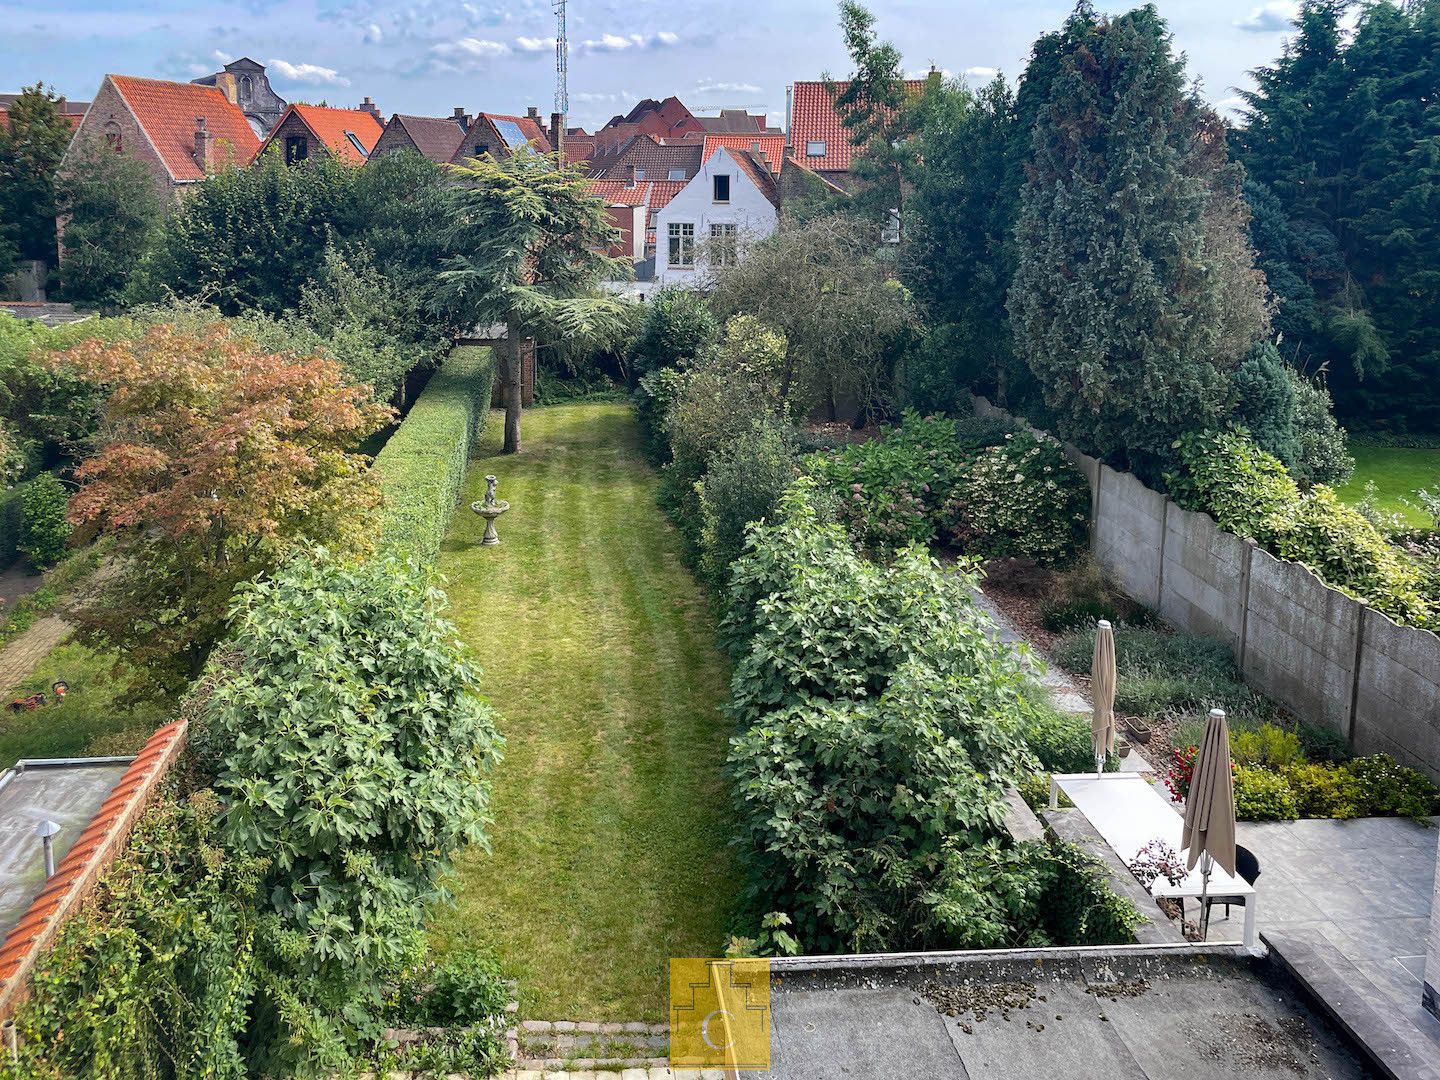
(1061, 741)
(422, 467)
(1322, 790)
(678, 326)
(893, 491)
(974, 433)
(743, 484)
(1249, 493)
(1021, 498)
(464, 988)
(9, 525)
(1322, 743)
(1261, 795)
(1324, 456)
(1267, 746)
(355, 755)
(1387, 788)
(44, 530)
(1079, 906)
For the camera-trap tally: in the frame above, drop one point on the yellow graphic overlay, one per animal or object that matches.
(720, 1014)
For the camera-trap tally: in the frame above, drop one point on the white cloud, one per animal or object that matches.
(467, 54)
(982, 72)
(706, 86)
(591, 97)
(1275, 17)
(534, 44)
(373, 34)
(615, 43)
(309, 74)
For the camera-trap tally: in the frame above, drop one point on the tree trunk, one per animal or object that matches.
(513, 376)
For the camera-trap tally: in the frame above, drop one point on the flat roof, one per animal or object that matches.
(68, 792)
(1086, 1014)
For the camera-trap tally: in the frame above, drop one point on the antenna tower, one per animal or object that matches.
(562, 60)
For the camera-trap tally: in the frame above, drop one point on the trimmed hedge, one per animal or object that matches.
(422, 467)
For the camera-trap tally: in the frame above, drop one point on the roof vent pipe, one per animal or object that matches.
(46, 830)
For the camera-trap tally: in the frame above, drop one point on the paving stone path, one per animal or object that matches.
(19, 657)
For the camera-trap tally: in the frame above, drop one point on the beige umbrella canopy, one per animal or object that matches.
(1210, 807)
(1102, 693)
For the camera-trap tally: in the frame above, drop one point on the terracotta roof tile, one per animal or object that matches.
(619, 193)
(814, 118)
(335, 128)
(437, 138)
(662, 191)
(167, 112)
(772, 146)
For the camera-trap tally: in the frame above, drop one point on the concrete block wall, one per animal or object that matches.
(1325, 656)
(1301, 642)
(1397, 693)
(1206, 577)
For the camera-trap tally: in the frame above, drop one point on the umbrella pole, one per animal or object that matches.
(1206, 865)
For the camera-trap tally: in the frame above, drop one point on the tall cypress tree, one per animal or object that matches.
(1342, 133)
(1135, 294)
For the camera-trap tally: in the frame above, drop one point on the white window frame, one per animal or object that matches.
(680, 249)
(816, 148)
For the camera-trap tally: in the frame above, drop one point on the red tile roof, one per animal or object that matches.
(436, 138)
(618, 193)
(166, 111)
(92, 852)
(814, 118)
(579, 148)
(772, 146)
(662, 191)
(333, 128)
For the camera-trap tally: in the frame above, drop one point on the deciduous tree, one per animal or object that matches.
(112, 213)
(215, 459)
(31, 147)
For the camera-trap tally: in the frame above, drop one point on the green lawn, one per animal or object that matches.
(611, 810)
(96, 718)
(1397, 473)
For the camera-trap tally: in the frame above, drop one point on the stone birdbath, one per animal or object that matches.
(490, 509)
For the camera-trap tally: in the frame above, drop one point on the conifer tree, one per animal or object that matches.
(1135, 294)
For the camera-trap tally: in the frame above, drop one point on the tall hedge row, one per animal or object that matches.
(9, 524)
(422, 467)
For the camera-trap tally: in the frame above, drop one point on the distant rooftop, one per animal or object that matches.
(67, 792)
(1121, 1013)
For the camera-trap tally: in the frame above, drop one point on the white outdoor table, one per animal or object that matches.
(1129, 813)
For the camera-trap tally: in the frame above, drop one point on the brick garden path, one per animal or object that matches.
(19, 657)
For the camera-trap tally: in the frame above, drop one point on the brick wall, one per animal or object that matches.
(394, 137)
(109, 113)
(293, 125)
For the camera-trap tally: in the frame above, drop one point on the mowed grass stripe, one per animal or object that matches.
(610, 840)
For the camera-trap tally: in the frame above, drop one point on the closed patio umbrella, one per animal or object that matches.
(1209, 835)
(1102, 693)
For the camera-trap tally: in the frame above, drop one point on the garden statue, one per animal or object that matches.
(490, 509)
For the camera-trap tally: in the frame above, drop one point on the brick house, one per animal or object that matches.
(434, 137)
(500, 136)
(815, 133)
(183, 132)
(306, 131)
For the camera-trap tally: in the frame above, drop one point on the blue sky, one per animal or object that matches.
(426, 56)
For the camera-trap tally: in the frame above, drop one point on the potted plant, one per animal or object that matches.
(1137, 729)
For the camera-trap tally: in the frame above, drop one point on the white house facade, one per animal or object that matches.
(729, 204)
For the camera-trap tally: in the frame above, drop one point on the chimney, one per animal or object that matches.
(534, 114)
(461, 117)
(557, 134)
(369, 106)
(204, 146)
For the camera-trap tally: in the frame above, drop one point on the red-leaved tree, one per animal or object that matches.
(214, 458)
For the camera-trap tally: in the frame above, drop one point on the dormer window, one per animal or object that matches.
(676, 174)
(720, 184)
(815, 148)
(639, 174)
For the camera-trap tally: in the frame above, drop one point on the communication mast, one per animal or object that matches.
(562, 60)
